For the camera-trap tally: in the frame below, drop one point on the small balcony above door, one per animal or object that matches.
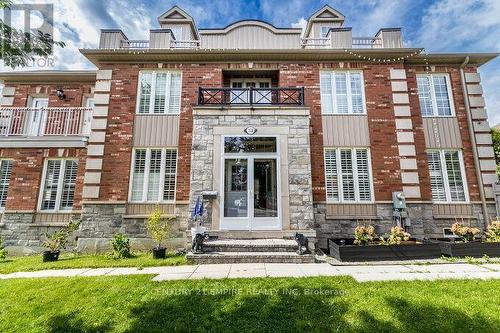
(250, 96)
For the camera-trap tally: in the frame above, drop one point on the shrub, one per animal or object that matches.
(364, 234)
(121, 246)
(158, 226)
(3, 251)
(467, 234)
(396, 237)
(493, 232)
(58, 240)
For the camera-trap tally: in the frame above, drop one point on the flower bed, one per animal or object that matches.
(475, 249)
(408, 250)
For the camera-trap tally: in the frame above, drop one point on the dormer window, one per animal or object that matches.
(177, 31)
(324, 31)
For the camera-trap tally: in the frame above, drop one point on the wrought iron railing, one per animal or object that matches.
(251, 96)
(45, 121)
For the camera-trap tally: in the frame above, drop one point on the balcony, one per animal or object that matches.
(341, 38)
(45, 127)
(251, 96)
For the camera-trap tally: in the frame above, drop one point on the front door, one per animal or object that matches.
(36, 118)
(250, 194)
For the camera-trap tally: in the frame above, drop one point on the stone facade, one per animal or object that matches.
(293, 136)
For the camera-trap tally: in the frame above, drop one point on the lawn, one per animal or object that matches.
(68, 260)
(321, 304)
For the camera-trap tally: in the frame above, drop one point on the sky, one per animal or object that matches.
(436, 25)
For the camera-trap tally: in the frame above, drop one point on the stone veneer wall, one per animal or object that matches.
(423, 222)
(100, 221)
(296, 158)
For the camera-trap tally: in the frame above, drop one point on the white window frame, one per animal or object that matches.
(433, 95)
(327, 27)
(444, 170)
(153, 92)
(354, 173)
(2, 209)
(349, 93)
(60, 183)
(146, 175)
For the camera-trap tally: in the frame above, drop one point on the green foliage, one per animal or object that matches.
(364, 234)
(121, 246)
(19, 47)
(396, 237)
(59, 239)
(495, 133)
(492, 234)
(3, 251)
(159, 226)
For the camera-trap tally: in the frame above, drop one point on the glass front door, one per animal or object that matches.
(250, 185)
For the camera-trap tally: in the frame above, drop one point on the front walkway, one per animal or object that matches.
(361, 273)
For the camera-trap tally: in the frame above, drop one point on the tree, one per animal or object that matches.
(495, 133)
(18, 48)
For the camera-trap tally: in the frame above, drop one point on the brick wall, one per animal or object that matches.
(74, 94)
(27, 169)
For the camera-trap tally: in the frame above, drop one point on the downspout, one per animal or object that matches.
(473, 142)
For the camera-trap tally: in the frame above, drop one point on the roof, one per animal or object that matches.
(178, 15)
(241, 23)
(56, 76)
(98, 56)
(326, 13)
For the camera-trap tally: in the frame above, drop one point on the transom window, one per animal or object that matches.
(447, 175)
(348, 175)
(434, 93)
(342, 92)
(153, 175)
(58, 184)
(244, 144)
(5, 173)
(159, 92)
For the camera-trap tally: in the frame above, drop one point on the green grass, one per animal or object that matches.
(68, 260)
(323, 304)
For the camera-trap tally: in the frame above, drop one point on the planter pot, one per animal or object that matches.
(384, 252)
(159, 253)
(472, 249)
(50, 256)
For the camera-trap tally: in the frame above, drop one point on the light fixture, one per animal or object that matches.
(60, 93)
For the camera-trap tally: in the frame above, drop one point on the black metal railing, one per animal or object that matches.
(251, 96)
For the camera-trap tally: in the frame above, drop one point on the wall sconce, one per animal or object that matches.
(60, 93)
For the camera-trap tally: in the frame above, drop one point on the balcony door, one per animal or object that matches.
(250, 193)
(36, 117)
(262, 94)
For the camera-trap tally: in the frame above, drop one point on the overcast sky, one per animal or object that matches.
(437, 26)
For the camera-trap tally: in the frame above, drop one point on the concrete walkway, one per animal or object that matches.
(361, 273)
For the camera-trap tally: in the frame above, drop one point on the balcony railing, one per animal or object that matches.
(316, 42)
(184, 44)
(251, 96)
(45, 121)
(135, 44)
(366, 42)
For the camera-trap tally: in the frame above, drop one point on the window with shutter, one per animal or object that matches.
(348, 175)
(447, 176)
(159, 93)
(153, 175)
(58, 187)
(434, 93)
(342, 92)
(5, 173)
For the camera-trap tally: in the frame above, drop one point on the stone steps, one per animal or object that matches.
(250, 245)
(227, 251)
(250, 257)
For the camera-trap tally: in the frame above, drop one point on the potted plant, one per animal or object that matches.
(396, 237)
(492, 234)
(58, 240)
(159, 229)
(364, 234)
(467, 234)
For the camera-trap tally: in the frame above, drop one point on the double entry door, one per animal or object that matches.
(261, 94)
(250, 193)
